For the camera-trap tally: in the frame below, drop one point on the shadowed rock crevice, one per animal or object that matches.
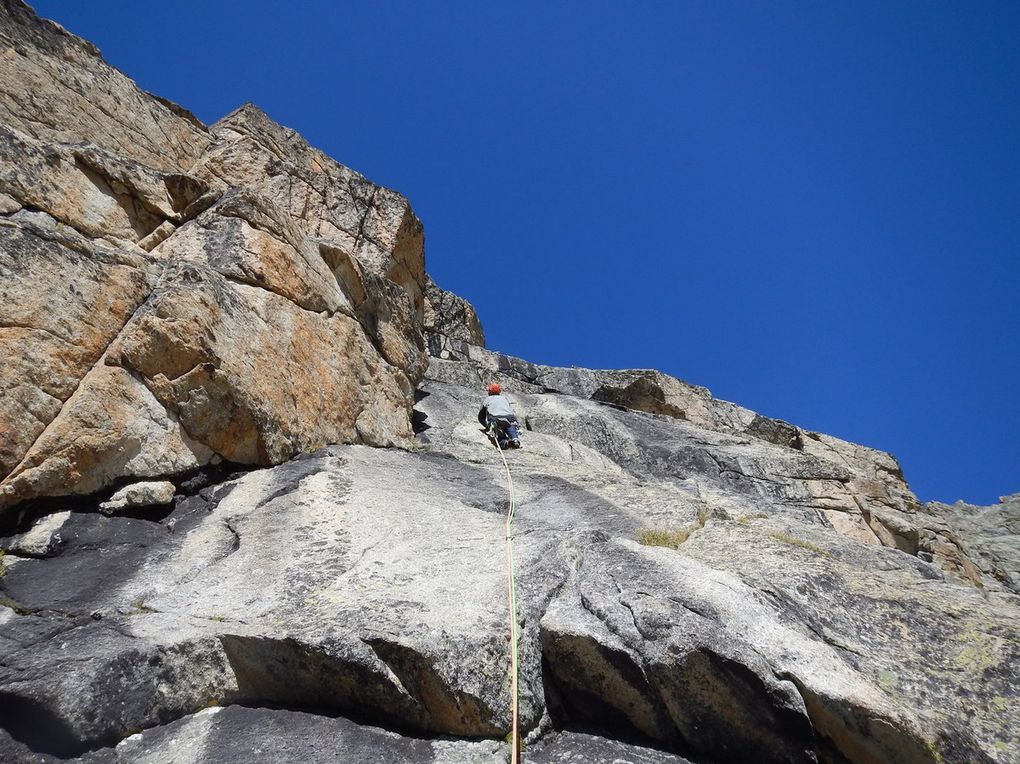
(206, 479)
(572, 664)
(375, 680)
(142, 218)
(444, 708)
(34, 725)
(227, 734)
(290, 673)
(140, 687)
(350, 680)
(696, 704)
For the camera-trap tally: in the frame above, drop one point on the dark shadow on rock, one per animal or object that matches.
(641, 395)
(93, 559)
(152, 513)
(697, 704)
(418, 423)
(288, 477)
(775, 431)
(289, 673)
(31, 723)
(576, 710)
(554, 501)
(21, 517)
(342, 680)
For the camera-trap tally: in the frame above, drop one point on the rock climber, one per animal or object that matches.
(497, 416)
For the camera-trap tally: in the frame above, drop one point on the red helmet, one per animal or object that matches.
(495, 389)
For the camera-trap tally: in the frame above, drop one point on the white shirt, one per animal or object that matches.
(498, 405)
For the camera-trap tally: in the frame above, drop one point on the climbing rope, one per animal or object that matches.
(515, 750)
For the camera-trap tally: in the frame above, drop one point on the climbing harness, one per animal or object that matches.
(515, 750)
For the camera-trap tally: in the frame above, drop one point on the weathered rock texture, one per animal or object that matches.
(447, 315)
(173, 293)
(993, 537)
(146, 493)
(856, 490)
(219, 322)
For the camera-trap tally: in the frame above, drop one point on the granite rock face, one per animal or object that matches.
(56, 88)
(174, 293)
(368, 235)
(247, 512)
(861, 492)
(448, 315)
(381, 598)
(992, 534)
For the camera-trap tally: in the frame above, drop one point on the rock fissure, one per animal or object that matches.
(29, 327)
(237, 536)
(10, 218)
(255, 285)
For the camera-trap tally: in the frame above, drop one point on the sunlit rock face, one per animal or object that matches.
(174, 294)
(247, 512)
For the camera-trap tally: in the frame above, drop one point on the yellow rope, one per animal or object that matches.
(512, 593)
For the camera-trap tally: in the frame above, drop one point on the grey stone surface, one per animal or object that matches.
(861, 493)
(992, 536)
(570, 747)
(243, 735)
(381, 595)
(368, 617)
(748, 510)
(237, 734)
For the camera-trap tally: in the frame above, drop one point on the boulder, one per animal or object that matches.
(146, 493)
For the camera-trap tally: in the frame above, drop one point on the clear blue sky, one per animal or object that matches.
(811, 208)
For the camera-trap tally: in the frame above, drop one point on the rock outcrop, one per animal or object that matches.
(174, 293)
(207, 556)
(448, 315)
(993, 537)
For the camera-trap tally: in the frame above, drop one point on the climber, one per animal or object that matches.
(497, 417)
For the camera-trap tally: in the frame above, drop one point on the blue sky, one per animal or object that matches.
(813, 209)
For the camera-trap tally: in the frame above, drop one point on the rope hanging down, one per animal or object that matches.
(515, 742)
